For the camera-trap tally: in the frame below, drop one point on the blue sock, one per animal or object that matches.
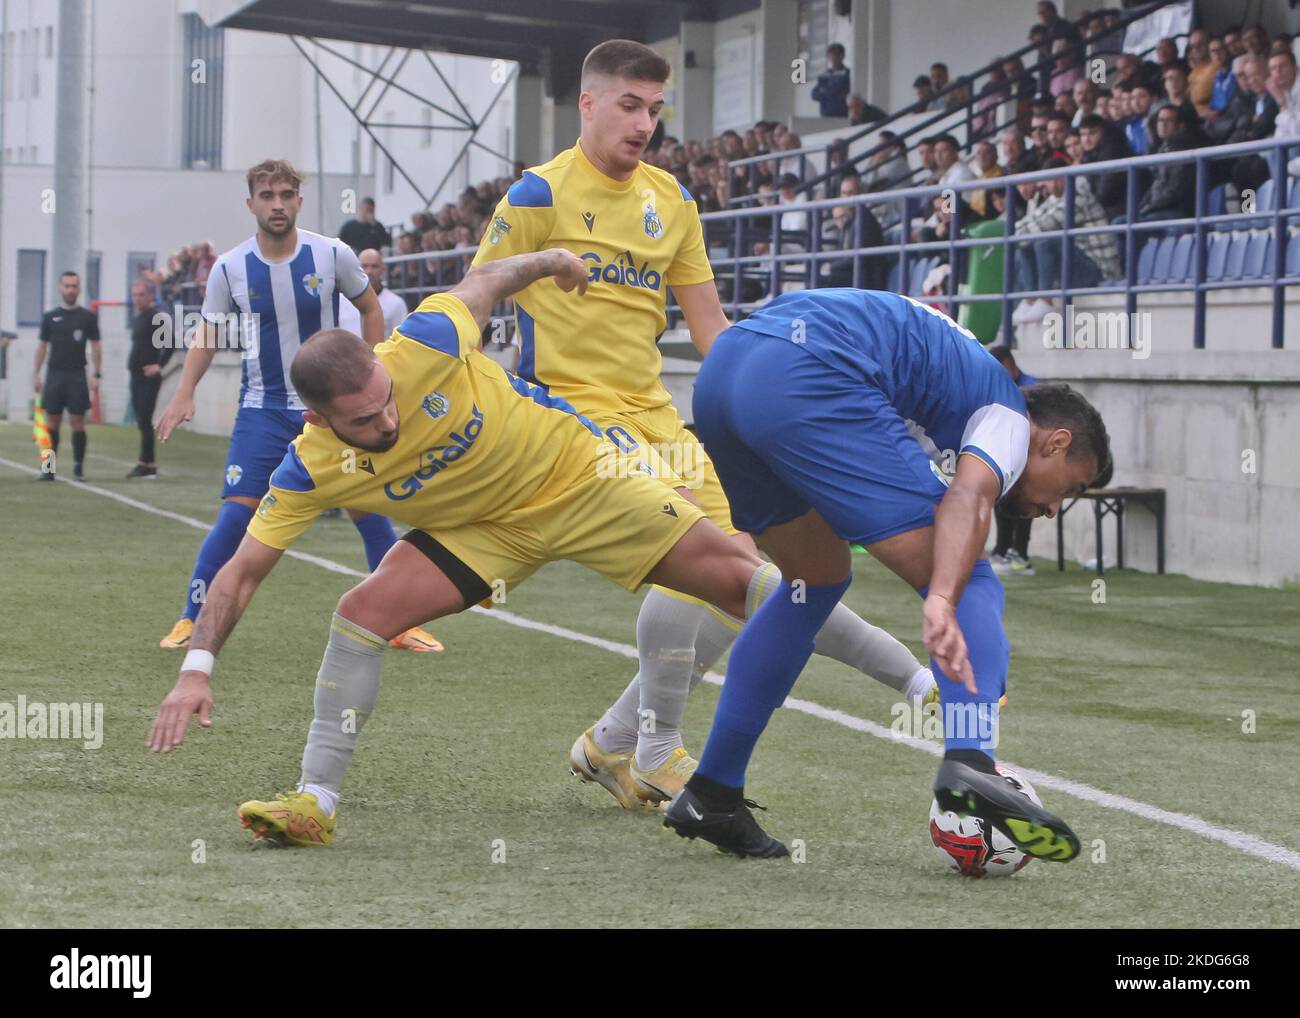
(970, 722)
(378, 536)
(215, 552)
(766, 660)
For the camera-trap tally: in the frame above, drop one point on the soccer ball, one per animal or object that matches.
(974, 848)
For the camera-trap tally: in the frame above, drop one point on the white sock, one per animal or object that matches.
(717, 634)
(919, 685)
(325, 797)
(666, 629)
(615, 732)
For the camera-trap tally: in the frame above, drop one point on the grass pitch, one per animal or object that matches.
(466, 756)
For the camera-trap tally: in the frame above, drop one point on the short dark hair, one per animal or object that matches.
(623, 58)
(368, 201)
(835, 47)
(69, 272)
(922, 81)
(332, 363)
(1058, 116)
(1093, 120)
(788, 180)
(1056, 405)
(941, 65)
(946, 139)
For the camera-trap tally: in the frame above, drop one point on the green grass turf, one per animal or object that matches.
(1141, 696)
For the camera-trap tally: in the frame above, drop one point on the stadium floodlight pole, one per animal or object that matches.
(69, 240)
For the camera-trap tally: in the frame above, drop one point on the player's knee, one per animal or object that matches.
(355, 605)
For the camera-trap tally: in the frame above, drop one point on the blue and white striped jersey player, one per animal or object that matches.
(265, 297)
(817, 412)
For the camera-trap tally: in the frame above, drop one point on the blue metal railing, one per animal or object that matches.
(736, 230)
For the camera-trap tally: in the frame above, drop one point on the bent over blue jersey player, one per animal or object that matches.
(818, 412)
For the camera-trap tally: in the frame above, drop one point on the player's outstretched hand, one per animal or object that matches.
(191, 695)
(571, 273)
(944, 640)
(179, 410)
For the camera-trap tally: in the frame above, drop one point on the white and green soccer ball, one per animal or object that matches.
(974, 848)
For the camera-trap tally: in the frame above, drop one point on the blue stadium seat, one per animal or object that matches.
(1236, 254)
(1160, 270)
(1293, 254)
(1218, 257)
(1182, 269)
(1293, 194)
(1146, 259)
(1258, 255)
(1266, 196)
(1217, 202)
(891, 281)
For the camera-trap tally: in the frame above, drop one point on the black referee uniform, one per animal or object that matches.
(144, 388)
(67, 331)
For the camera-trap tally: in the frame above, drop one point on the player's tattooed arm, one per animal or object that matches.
(231, 590)
(486, 285)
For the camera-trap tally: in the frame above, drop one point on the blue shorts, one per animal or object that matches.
(257, 445)
(788, 433)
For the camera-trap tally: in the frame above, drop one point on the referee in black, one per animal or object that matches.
(145, 364)
(65, 333)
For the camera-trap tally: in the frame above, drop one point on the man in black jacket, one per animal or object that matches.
(1102, 141)
(145, 364)
(1172, 194)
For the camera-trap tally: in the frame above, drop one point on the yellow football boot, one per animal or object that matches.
(179, 636)
(416, 639)
(609, 770)
(293, 818)
(665, 781)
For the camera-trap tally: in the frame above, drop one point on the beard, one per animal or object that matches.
(377, 444)
(277, 231)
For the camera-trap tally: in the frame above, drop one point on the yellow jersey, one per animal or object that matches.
(474, 442)
(638, 237)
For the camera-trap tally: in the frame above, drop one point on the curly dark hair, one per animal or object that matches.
(1056, 405)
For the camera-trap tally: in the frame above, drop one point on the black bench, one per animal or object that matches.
(1111, 502)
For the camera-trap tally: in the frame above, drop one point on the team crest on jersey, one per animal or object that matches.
(435, 405)
(312, 283)
(268, 503)
(499, 229)
(654, 227)
(233, 473)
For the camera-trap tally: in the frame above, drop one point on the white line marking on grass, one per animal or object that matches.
(1242, 842)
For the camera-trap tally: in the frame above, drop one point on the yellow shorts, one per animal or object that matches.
(656, 442)
(618, 526)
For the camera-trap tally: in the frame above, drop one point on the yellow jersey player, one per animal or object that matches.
(638, 233)
(495, 478)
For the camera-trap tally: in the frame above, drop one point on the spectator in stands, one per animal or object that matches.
(1023, 88)
(993, 94)
(1232, 39)
(925, 152)
(1015, 157)
(1056, 27)
(1038, 136)
(889, 167)
(1281, 44)
(1284, 87)
(862, 112)
(1200, 77)
(794, 221)
(1255, 41)
(1058, 130)
(924, 94)
(1102, 141)
(839, 233)
(1066, 70)
(1065, 104)
(1128, 70)
(1086, 94)
(1224, 86)
(1252, 113)
(1074, 147)
(1177, 90)
(1172, 193)
(1093, 256)
(832, 89)
(939, 80)
(1166, 53)
(364, 231)
(986, 164)
(1137, 129)
(948, 163)
(1042, 69)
